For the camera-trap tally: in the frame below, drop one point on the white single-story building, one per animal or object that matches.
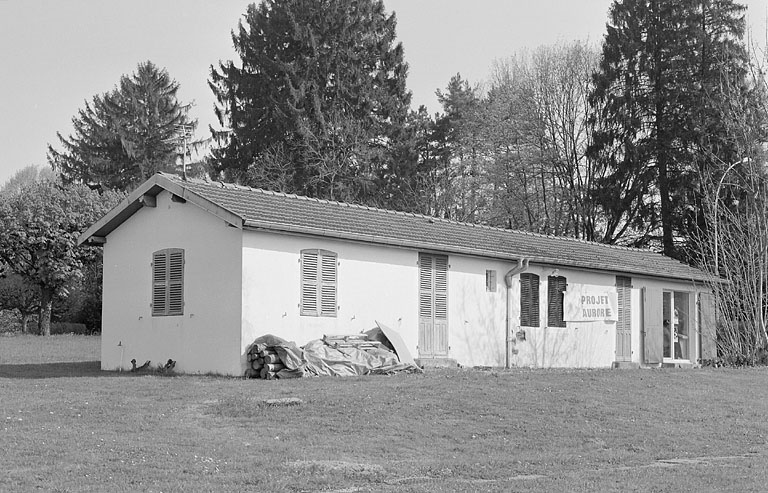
(195, 271)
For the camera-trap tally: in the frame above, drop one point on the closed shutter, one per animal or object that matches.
(529, 300)
(433, 305)
(556, 285)
(318, 283)
(425, 286)
(309, 281)
(624, 322)
(328, 284)
(441, 287)
(168, 282)
(159, 283)
(176, 282)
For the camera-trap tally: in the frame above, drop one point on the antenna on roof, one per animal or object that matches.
(185, 131)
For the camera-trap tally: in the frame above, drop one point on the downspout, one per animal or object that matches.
(522, 265)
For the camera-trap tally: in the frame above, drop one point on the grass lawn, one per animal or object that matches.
(66, 426)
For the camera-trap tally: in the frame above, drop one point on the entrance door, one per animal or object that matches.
(676, 325)
(624, 322)
(433, 305)
(652, 325)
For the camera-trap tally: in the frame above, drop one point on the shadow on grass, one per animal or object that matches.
(56, 370)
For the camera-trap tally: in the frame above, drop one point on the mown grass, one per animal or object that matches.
(459, 430)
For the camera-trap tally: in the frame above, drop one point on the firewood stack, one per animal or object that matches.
(265, 363)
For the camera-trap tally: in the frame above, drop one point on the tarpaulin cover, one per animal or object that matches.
(317, 358)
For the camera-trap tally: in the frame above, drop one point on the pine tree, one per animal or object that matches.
(655, 108)
(317, 102)
(125, 136)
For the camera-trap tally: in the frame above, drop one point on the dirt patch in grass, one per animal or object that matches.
(342, 468)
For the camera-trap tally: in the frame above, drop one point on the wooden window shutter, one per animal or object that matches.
(318, 283)
(328, 274)
(529, 300)
(425, 286)
(624, 292)
(168, 282)
(441, 287)
(159, 283)
(176, 282)
(309, 294)
(556, 285)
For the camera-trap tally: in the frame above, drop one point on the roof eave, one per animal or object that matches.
(97, 233)
(373, 239)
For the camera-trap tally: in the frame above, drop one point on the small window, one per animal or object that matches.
(490, 281)
(529, 300)
(318, 283)
(168, 282)
(556, 286)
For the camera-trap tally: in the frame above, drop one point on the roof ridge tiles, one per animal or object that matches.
(431, 219)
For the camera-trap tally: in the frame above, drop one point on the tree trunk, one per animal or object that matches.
(46, 304)
(24, 323)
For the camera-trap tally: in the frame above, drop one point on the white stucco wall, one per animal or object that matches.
(207, 337)
(374, 283)
(476, 317)
(579, 344)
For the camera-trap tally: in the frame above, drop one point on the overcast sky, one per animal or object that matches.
(57, 54)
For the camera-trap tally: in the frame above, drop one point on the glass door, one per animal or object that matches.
(676, 326)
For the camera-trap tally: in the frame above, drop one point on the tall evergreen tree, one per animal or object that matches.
(655, 108)
(125, 136)
(316, 104)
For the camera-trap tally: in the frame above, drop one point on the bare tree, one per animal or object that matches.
(535, 126)
(733, 243)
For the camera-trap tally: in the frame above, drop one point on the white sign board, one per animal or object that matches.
(587, 303)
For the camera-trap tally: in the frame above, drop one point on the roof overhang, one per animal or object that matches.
(145, 196)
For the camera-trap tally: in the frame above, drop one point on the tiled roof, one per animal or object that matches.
(283, 212)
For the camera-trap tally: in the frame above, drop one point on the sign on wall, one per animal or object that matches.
(588, 303)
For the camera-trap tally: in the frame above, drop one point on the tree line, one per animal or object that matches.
(622, 143)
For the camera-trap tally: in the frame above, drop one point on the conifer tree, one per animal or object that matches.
(655, 108)
(126, 135)
(316, 103)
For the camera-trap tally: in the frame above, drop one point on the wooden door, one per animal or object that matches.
(624, 322)
(653, 325)
(433, 305)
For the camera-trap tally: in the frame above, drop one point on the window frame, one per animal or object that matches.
(530, 310)
(167, 277)
(318, 286)
(490, 280)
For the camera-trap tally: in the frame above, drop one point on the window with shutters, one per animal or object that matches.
(490, 281)
(318, 283)
(555, 288)
(529, 300)
(168, 282)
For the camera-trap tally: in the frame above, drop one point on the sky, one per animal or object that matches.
(55, 55)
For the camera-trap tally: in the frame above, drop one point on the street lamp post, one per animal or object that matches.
(716, 219)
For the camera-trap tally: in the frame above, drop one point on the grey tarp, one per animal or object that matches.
(317, 358)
